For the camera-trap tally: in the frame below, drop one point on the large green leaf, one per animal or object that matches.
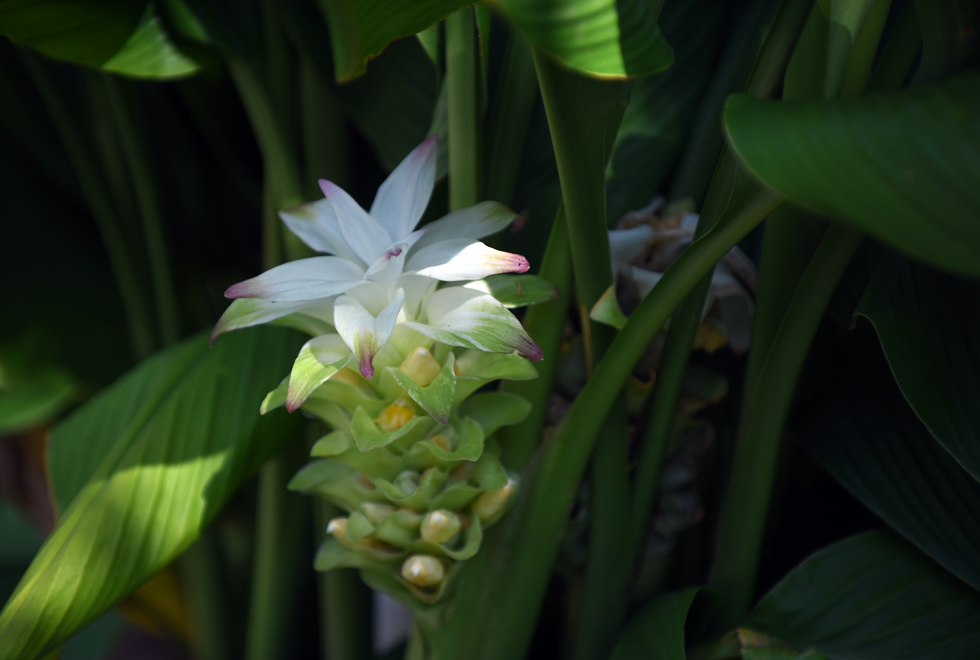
(928, 324)
(868, 438)
(657, 631)
(899, 165)
(121, 36)
(599, 37)
(873, 596)
(949, 36)
(141, 469)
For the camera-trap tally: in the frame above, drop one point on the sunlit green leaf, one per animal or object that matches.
(929, 326)
(899, 165)
(597, 37)
(873, 597)
(139, 472)
(868, 438)
(517, 290)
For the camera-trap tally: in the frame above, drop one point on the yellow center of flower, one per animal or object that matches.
(395, 416)
(420, 366)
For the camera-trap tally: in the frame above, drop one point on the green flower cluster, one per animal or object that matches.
(412, 461)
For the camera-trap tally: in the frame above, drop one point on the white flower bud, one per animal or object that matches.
(420, 366)
(423, 571)
(439, 526)
(492, 502)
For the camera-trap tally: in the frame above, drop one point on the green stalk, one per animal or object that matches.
(545, 323)
(149, 206)
(510, 119)
(201, 569)
(763, 81)
(766, 410)
(609, 556)
(506, 582)
(900, 50)
(99, 200)
(345, 629)
(324, 134)
(464, 115)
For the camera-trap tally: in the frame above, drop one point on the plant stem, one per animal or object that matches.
(149, 206)
(201, 571)
(99, 200)
(510, 118)
(544, 322)
(345, 602)
(464, 129)
(900, 50)
(766, 410)
(609, 558)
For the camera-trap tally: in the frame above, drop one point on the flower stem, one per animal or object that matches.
(201, 571)
(464, 114)
(99, 200)
(766, 410)
(149, 207)
(544, 322)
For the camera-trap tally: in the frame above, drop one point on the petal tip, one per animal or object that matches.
(367, 369)
(521, 264)
(328, 187)
(531, 351)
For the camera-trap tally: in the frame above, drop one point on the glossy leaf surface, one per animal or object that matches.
(899, 165)
(139, 471)
(872, 596)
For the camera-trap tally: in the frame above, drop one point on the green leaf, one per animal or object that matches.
(31, 392)
(873, 596)
(928, 325)
(657, 631)
(868, 438)
(139, 471)
(949, 36)
(898, 165)
(604, 37)
(598, 37)
(120, 36)
(517, 290)
(495, 409)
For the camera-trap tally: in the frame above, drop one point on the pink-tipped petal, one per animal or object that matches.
(305, 279)
(474, 222)
(363, 332)
(464, 259)
(363, 234)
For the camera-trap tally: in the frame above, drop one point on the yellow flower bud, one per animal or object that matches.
(395, 416)
(492, 502)
(420, 366)
(376, 512)
(442, 440)
(338, 527)
(439, 526)
(423, 571)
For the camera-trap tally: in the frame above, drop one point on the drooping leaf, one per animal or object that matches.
(121, 36)
(898, 165)
(873, 597)
(139, 471)
(597, 37)
(928, 325)
(657, 631)
(603, 37)
(868, 438)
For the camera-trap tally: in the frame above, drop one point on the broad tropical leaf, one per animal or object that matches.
(121, 36)
(870, 440)
(873, 597)
(139, 471)
(899, 165)
(927, 323)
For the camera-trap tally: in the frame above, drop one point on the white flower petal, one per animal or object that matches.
(645, 279)
(363, 234)
(417, 288)
(402, 198)
(464, 259)
(305, 279)
(318, 360)
(316, 225)
(475, 221)
(463, 317)
(625, 245)
(247, 312)
(364, 333)
(388, 266)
